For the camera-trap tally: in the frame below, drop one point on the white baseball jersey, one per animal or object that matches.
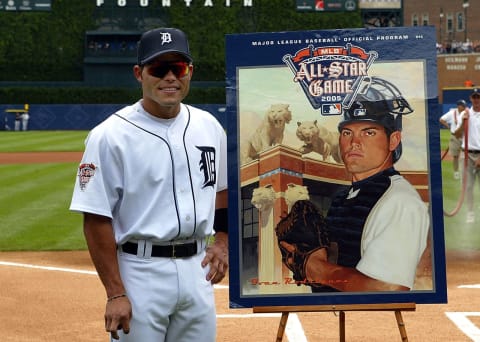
(155, 178)
(473, 131)
(452, 118)
(395, 235)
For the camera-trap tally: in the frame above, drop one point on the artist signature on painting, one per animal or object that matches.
(291, 281)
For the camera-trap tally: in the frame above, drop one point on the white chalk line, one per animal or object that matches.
(293, 330)
(460, 319)
(47, 268)
(473, 286)
(68, 270)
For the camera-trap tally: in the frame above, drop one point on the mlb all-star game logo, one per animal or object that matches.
(330, 75)
(86, 172)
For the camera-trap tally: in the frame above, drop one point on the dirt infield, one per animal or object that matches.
(57, 296)
(39, 157)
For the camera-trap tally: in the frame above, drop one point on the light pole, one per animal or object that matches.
(465, 7)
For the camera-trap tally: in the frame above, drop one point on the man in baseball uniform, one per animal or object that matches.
(472, 115)
(380, 223)
(451, 120)
(152, 186)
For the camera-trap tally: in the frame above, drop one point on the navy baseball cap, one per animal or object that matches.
(461, 103)
(475, 91)
(159, 41)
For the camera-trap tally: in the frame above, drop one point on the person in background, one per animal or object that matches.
(25, 116)
(152, 186)
(21, 118)
(472, 115)
(451, 120)
(18, 120)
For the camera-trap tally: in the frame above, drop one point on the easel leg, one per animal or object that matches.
(401, 326)
(341, 321)
(341, 309)
(281, 326)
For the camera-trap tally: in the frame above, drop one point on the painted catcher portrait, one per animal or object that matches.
(379, 225)
(339, 205)
(342, 228)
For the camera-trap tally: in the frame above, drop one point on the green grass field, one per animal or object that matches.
(42, 141)
(34, 198)
(458, 234)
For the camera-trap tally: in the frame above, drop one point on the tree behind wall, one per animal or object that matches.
(45, 46)
(207, 27)
(48, 46)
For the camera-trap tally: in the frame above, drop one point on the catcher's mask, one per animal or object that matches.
(378, 101)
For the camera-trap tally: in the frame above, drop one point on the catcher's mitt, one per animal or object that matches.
(299, 234)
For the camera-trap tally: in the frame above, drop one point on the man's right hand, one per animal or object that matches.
(118, 313)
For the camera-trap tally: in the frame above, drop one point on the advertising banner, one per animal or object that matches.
(380, 4)
(334, 168)
(326, 5)
(26, 5)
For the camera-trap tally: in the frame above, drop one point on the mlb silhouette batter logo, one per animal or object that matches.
(332, 109)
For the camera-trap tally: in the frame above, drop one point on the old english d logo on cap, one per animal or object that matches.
(166, 37)
(157, 42)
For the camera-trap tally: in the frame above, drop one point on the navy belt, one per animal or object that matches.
(167, 251)
(472, 151)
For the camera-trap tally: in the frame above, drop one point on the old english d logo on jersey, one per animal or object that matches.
(207, 165)
(330, 76)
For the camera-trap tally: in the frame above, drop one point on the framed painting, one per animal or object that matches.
(334, 168)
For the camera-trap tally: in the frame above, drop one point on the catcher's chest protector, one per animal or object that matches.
(349, 211)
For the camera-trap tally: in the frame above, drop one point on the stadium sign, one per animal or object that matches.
(327, 5)
(168, 3)
(380, 4)
(25, 5)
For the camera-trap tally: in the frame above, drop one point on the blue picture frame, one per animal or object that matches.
(275, 69)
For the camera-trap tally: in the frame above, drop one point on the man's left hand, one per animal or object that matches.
(217, 257)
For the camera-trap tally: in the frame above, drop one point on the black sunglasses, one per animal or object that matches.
(160, 69)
